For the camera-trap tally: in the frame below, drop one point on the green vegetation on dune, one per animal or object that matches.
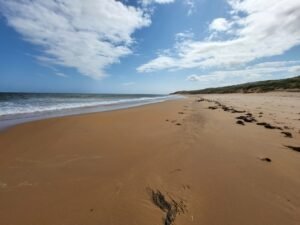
(290, 84)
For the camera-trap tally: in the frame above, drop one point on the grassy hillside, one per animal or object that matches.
(290, 84)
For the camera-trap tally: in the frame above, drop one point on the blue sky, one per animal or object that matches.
(145, 46)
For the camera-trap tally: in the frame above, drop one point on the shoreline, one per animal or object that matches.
(187, 161)
(21, 119)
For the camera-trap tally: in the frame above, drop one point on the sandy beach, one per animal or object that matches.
(186, 161)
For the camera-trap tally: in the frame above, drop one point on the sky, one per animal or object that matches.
(145, 46)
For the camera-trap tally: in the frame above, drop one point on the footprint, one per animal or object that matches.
(186, 187)
(176, 170)
(266, 159)
(169, 205)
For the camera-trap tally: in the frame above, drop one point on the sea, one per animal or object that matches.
(18, 108)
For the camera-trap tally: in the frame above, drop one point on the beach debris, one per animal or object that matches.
(219, 105)
(287, 134)
(240, 122)
(225, 108)
(247, 118)
(229, 108)
(178, 124)
(261, 123)
(297, 149)
(167, 120)
(200, 100)
(268, 126)
(266, 159)
(169, 206)
(237, 111)
(180, 112)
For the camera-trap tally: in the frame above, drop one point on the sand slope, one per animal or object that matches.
(176, 162)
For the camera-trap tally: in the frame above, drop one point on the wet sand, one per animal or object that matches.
(179, 162)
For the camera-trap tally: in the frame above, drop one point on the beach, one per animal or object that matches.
(184, 161)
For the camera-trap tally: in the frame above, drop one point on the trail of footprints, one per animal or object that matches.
(171, 207)
(180, 113)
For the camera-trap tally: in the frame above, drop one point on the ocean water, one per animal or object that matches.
(21, 107)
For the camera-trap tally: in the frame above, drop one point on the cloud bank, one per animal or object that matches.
(255, 29)
(87, 35)
(255, 72)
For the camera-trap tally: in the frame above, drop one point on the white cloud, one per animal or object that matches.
(219, 24)
(182, 36)
(161, 62)
(268, 28)
(295, 70)
(194, 77)
(148, 2)
(61, 74)
(87, 35)
(260, 71)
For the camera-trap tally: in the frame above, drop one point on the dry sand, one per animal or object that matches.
(176, 162)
